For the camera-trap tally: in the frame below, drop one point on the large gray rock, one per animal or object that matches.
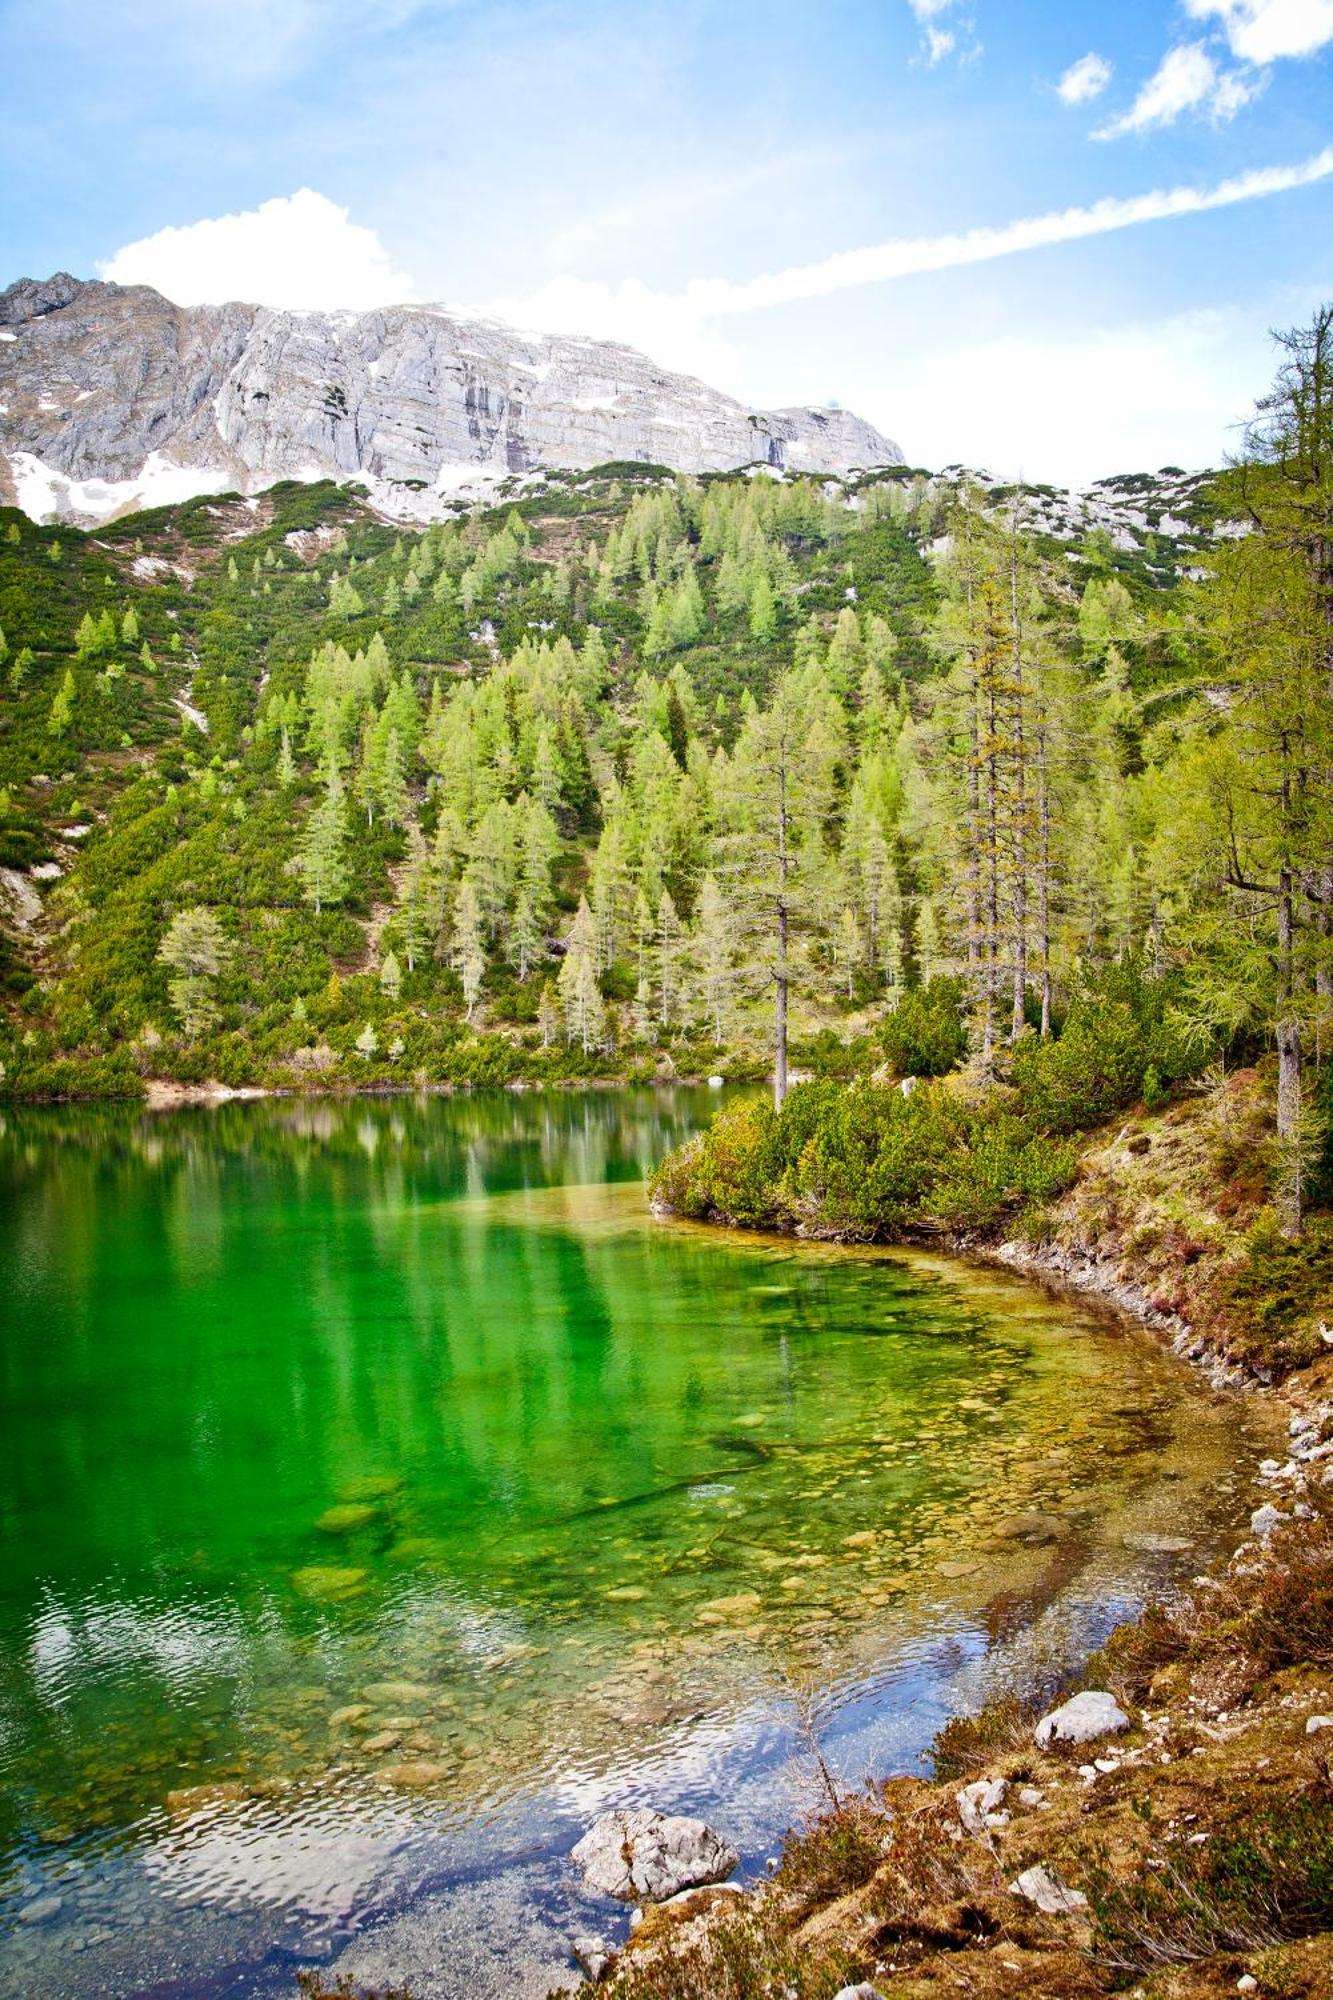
(1050, 1895)
(1082, 1720)
(110, 393)
(647, 1856)
(979, 1805)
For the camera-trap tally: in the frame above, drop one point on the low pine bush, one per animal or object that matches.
(865, 1162)
(926, 1034)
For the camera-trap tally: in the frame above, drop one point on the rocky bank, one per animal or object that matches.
(1166, 1832)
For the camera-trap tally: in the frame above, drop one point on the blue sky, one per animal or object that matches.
(639, 170)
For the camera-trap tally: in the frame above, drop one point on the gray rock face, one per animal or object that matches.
(110, 393)
(1082, 1720)
(646, 1856)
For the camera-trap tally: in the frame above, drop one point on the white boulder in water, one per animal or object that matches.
(646, 1856)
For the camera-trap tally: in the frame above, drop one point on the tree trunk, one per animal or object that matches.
(780, 976)
(1323, 978)
(1044, 876)
(1289, 1063)
(992, 894)
(974, 842)
(1019, 822)
(780, 1020)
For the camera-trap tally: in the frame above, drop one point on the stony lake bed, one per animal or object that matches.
(386, 1493)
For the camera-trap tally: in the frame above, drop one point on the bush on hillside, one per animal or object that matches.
(926, 1034)
(1121, 1037)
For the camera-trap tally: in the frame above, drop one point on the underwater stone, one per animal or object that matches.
(1031, 1527)
(325, 1584)
(354, 1712)
(397, 1694)
(387, 1739)
(416, 1775)
(347, 1518)
(42, 1910)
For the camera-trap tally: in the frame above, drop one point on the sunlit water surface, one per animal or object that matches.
(383, 1493)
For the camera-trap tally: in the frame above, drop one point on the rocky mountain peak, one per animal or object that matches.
(112, 397)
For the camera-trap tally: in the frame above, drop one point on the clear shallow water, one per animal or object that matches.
(384, 1493)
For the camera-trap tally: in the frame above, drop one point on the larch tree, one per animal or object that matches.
(580, 995)
(197, 951)
(321, 856)
(420, 903)
(771, 853)
(467, 952)
(713, 951)
(669, 955)
(62, 707)
(548, 1015)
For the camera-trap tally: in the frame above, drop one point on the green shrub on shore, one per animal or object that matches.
(865, 1162)
(1274, 1301)
(874, 1159)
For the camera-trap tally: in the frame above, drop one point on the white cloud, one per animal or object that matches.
(1085, 79)
(1263, 31)
(678, 327)
(1187, 79)
(1071, 405)
(299, 251)
(911, 255)
(937, 42)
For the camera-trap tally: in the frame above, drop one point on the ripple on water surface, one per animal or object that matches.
(386, 1493)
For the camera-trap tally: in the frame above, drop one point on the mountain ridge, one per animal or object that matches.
(112, 397)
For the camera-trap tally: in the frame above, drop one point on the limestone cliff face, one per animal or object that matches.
(112, 396)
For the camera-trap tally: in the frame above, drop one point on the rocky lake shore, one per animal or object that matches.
(1164, 1830)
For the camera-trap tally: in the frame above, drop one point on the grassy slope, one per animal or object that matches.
(81, 983)
(176, 816)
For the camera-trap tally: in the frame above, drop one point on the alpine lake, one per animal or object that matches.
(384, 1492)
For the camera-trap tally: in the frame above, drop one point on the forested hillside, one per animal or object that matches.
(605, 779)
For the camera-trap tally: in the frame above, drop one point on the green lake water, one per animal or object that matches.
(383, 1492)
